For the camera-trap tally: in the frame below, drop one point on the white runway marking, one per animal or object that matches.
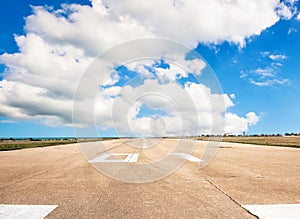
(130, 158)
(25, 211)
(145, 144)
(133, 158)
(187, 157)
(277, 211)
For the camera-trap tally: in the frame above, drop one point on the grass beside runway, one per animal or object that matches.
(283, 141)
(15, 144)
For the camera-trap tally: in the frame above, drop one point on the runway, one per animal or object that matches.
(239, 176)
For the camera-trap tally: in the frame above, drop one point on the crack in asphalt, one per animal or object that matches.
(232, 199)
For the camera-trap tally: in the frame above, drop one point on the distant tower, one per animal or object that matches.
(244, 133)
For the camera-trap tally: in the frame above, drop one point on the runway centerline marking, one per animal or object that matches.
(187, 157)
(130, 158)
(145, 144)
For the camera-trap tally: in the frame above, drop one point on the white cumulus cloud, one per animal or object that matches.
(277, 57)
(59, 45)
(217, 21)
(236, 125)
(287, 12)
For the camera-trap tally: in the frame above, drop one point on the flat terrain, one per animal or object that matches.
(239, 175)
(15, 144)
(288, 141)
(6, 145)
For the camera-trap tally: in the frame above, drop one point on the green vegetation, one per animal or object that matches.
(283, 141)
(271, 140)
(14, 144)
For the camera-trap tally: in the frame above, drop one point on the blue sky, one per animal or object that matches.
(277, 103)
(263, 74)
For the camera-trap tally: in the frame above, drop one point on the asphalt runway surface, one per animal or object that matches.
(238, 175)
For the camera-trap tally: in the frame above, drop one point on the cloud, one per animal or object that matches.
(285, 11)
(274, 56)
(266, 72)
(92, 29)
(268, 75)
(59, 45)
(56, 68)
(265, 54)
(188, 110)
(8, 121)
(171, 72)
(277, 57)
(252, 118)
(237, 125)
(270, 82)
(298, 17)
(231, 21)
(172, 109)
(102, 26)
(232, 96)
(292, 30)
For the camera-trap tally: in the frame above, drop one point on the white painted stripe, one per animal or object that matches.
(276, 211)
(145, 144)
(130, 158)
(133, 158)
(101, 157)
(25, 211)
(188, 157)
